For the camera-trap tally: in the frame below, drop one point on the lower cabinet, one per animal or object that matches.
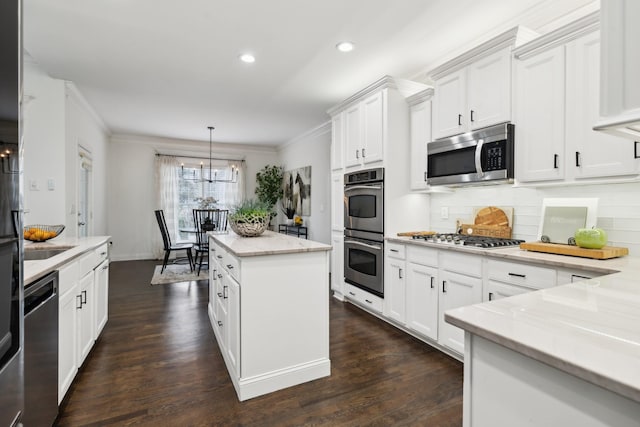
(395, 290)
(82, 311)
(422, 300)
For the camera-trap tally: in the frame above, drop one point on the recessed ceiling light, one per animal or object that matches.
(248, 58)
(345, 46)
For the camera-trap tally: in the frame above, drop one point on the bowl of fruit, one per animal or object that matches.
(42, 233)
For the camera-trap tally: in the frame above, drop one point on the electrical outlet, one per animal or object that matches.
(33, 185)
(444, 212)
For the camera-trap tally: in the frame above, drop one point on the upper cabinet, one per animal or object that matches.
(556, 104)
(473, 91)
(620, 86)
(420, 135)
(366, 122)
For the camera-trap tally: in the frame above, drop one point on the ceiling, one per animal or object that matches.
(170, 68)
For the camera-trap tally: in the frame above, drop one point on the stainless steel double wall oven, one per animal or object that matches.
(364, 230)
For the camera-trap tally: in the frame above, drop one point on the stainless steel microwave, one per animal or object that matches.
(479, 157)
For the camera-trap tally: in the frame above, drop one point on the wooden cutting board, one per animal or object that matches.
(606, 252)
(491, 215)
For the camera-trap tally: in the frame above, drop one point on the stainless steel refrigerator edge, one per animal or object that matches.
(11, 280)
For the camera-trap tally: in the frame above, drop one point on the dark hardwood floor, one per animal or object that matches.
(157, 363)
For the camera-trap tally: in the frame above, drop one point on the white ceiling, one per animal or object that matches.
(170, 68)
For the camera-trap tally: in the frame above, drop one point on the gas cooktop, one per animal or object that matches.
(472, 241)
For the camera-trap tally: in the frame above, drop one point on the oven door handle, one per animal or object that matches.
(479, 157)
(363, 187)
(363, 244)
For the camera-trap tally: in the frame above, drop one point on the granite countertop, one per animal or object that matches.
(34, 270)
(268, 243)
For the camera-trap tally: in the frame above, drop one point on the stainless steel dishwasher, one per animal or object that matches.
(41, 352)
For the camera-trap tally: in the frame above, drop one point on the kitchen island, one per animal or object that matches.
(269, 309)
(568, 355)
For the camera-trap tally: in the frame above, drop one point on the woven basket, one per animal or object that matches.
(249, 225)
(42, 233)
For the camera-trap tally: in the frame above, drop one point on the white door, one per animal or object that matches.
(337, 141)
(489, 90)
(373, 128)
(456, 290)
(420, 137)
(394, 290)
(86, 317)
(594, 154)
(449, 105)
(422, 300)
(67, 339)
(85, 185)
(540, 120)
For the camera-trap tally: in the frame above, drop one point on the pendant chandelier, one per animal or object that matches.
(212, 175)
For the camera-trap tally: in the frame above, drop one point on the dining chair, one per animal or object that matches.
(168, 246)
(204, 220)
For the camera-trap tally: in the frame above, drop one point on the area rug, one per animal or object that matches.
(174, 273)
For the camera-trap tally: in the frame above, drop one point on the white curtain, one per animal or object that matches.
(167, 188)
(235, 192)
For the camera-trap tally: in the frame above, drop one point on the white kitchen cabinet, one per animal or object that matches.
(86, 316)
(337, 142)
(337, 201)
(592, 154)
(363, 298)
(569, 275)
(101, 297)
(364, 129)
(420, 133)
(556, 106)
(274, 336)
(68, 303)
(460, 282)
(422, 300)
(540, 122)
(506, 278)
(473, 90)
(620, 67)
(394, 306)
(337, 264)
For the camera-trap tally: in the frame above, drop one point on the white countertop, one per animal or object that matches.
(33, 270)
(589, 329)
(268, 243)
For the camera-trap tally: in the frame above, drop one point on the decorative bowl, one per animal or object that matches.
(41, 233)
(249, 225)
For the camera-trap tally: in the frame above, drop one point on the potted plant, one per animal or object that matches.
(250, 218)
(269, 185)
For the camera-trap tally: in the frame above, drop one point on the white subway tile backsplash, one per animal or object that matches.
(618, 208)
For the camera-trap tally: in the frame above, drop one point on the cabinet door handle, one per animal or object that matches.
(555, 161)
(363, 155)
(103, 253)
(84, 297)
(425, 176)
(472, 115)
(219, 276)
(79, 296)
(105, 267)
(399, 273)
(394, 250)
(229, 266)
(370, 302)
(219, 322)
(518, 275)
(490, 296)
(214, 274)
(224, 292)
(219, 256)
(352, 294)
(635, 150)
(444, 289)
(577, 276)
(577, 159)
(219, 294)
(431, 282)
(459, 119)
(357, 154)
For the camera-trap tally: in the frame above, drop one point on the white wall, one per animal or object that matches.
(56, 119)
(132, 193)
(618, 208)
(312, 149)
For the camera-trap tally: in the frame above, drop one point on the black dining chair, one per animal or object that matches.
(204, 220)
(168, 246)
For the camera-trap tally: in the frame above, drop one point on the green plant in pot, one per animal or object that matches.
(250, 218)
(269, 186)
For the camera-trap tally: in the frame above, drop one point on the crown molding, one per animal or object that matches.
(324, 128)
(562, 35)
(419, 97)
(74, 93)
(516, 36)
(405, 87)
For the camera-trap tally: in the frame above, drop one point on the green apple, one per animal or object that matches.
(591, 238)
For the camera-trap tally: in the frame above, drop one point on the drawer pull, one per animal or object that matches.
(394, 250)
(518, 275)
(224, 292)
(370, 302)
(103, 253)
(79, 296)
(229, 266)
(351, 293)
(219, 276)
(105, 267)
(220, 294)
(459, 119)
(219, 322)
